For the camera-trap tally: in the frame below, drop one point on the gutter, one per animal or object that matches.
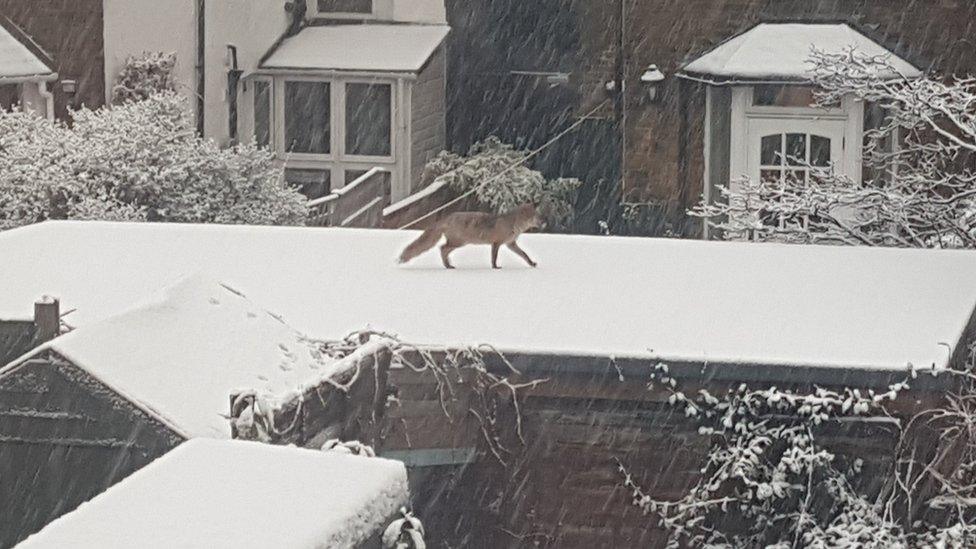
(48, 99)
(201, 63)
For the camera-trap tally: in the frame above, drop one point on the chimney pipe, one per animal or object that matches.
(47, 319)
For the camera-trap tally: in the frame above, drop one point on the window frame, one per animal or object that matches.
(279, 123)
(272, 116)
(316, 13)
(393, 119)
(337, 162)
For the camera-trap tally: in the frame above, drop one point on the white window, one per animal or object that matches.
(263, 106)
(328, 131)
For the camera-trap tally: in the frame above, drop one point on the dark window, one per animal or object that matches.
(262, 113)
(307, 112)
(312, 183)
(345, 6)
(352, 175)
(368, 119)
(784, 95)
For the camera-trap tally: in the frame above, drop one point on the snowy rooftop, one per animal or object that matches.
(673, 299)
(778, 52)
(17, 60)
(201, 331)
(394, 48)
(208, 493)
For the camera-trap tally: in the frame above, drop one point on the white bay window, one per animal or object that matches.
(327, 131)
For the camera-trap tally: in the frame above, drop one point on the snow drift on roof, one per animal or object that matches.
(208, 493)
(781, 52)
(17, 60)
(674, 299)
(394, 48)
(184, 352)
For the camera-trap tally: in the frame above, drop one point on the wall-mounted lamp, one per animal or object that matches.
(651, 80)
(69, 87)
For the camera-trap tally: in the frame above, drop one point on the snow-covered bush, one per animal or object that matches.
(501, 181)
(144, 76)
(141, 161)
(920, 183)
(768, 479)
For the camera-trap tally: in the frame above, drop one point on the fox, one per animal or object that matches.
(464, 228)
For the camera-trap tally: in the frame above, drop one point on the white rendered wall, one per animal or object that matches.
(132, 27)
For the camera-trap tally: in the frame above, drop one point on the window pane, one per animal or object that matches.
(307, 117)
(772, 150)
(262, 113)
(312, 183)
(368, 119)
(796, 149)
(345, 6)
(783, 96)
(819, 151)
(770, 176)
(352, 175)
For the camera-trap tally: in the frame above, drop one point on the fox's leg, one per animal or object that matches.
(446, 250)
(494, 255)
(515, 248)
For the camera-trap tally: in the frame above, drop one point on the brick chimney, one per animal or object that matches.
(47, 319)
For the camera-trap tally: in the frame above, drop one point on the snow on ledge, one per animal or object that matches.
(437, 185)
(208, 493)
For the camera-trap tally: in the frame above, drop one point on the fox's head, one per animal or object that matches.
(530, 217)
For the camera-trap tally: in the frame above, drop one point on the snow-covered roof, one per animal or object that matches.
(17, 61)
(208, 493)
(780, 52)
(674, 299)
(181, 353)
(361, 47)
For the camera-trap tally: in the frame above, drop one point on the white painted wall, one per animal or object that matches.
(418, 11)
(132, 27)
(253, 26)
(403, 11)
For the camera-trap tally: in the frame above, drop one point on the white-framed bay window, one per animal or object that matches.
(327, 130)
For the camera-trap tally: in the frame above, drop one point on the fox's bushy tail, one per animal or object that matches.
(426, 241)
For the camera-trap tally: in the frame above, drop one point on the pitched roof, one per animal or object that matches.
(780, 52)
(181, 353)
(672, 299)
(208, 493)
(20, 58)
(361, 47)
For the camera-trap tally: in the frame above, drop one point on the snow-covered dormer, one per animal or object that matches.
(761, 121)
(360, 86)
(400, 11)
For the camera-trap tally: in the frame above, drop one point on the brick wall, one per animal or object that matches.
(428, 132)
(70, 31)
(662, 150)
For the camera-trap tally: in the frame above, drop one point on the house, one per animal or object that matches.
(193, 360)
(664, 135)
(592, 320)
(760, 118)
(209, 493)
(63, 65)
(25, 71)
(334, 87)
